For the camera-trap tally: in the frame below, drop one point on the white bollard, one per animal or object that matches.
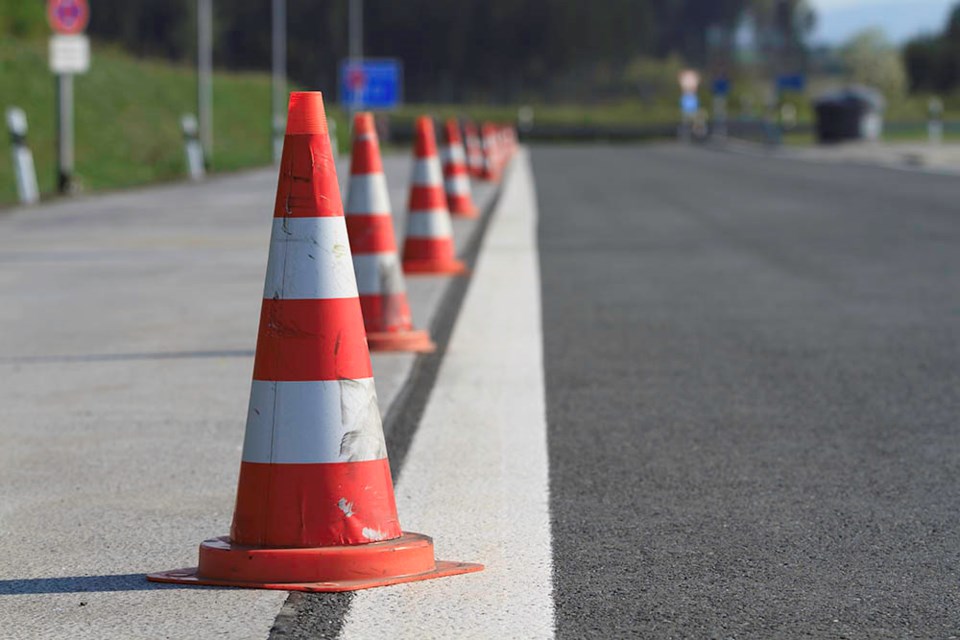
(23, 168)
(935, 122)
(194, 150)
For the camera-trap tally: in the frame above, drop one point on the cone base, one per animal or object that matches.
(408, 558)
(434, 267)
(470, 212)
(411, 340)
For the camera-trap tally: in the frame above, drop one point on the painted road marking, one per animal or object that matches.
(476, 477)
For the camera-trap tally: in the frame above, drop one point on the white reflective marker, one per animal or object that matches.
(368, 194)
(313, 422)
(310, 259)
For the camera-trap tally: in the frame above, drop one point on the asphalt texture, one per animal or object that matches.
(753, 395)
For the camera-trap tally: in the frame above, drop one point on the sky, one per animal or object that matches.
(837, 20)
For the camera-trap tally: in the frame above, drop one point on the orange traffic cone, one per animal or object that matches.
(488, 144)
(383, 296)
(456, 180)
(315, 505)
(428, 247)
(474, 152)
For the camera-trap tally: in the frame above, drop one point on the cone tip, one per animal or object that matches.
(363, 123)
(305, 114)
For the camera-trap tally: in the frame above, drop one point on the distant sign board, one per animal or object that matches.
(68, 16)
(371, 84)
(69, 54)
(721, 87)
(791, 82)
(689, 103)
(689, 80)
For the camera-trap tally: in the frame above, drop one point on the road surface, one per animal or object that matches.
(753, 395)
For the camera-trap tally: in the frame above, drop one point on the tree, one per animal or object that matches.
(871, 60)
(933, 61)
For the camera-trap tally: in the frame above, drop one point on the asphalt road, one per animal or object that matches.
(753, 395)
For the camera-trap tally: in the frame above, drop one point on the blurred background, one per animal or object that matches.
(567, 70)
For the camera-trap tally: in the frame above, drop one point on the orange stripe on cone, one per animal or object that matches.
(315, 504)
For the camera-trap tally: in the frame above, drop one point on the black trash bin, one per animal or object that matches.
(853, 113)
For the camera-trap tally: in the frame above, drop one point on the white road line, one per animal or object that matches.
(476, 476)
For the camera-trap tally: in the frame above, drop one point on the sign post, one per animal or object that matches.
(689, 102)
(721, 90)
(69, 55)
(279, 76)
(205, 76)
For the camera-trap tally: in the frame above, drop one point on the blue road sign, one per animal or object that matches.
(721, 87)
(371, 84)
(689, 103)
(791, 82)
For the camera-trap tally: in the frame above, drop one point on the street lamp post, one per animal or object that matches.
(205, 76)
(279, 75)
(356, 46)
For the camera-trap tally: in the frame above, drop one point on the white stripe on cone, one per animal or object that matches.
(427, 172)
(378, 273)
(310, 259)
(368, 194)
(347, 408)
(457, 185)
(429, 224)
(453, 154)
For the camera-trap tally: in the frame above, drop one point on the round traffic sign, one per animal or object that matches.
(356, 78)
(68, 16)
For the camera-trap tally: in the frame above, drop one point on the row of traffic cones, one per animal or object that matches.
(315, 506)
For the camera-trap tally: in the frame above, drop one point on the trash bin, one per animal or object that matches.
(852, 113)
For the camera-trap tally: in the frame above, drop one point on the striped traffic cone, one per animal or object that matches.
(383, 296)
(456, 180)
(474, 152)
(315, 505)
(428, 247)
(488, 144)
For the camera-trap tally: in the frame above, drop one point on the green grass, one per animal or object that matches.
(127, 118)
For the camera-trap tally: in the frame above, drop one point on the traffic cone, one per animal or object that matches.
(428, 247)
(488, 145)
(456, 180)
(474, 153)
(315, 505)
(383, 296)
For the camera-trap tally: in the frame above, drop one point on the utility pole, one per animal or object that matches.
(279, 75)
(356, 45)
(205, 76)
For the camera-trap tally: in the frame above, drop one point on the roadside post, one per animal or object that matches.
(194, 150)
(721, 90)
(69, 55)
(935, 120)
(23, 169)
(689, 102)
(279, 120)
(205, 76)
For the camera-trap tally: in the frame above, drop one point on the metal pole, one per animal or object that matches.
(279, 75)
(205, 75)
(64, 133)
(356, 43)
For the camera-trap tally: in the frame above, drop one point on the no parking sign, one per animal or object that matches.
(68, 16)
